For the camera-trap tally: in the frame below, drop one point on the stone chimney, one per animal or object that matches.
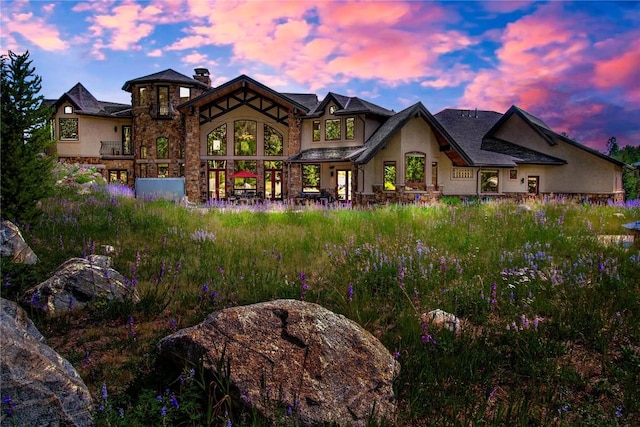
(202, 75)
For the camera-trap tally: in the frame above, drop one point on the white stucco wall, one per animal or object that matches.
(583, 173)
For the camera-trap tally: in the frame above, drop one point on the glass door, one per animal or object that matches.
(344, 185)
(216, 181)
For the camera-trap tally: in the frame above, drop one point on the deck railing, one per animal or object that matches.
(115, 148)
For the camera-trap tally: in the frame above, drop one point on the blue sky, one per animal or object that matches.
(574, 64)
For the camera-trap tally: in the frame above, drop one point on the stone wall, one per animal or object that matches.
(293, 174)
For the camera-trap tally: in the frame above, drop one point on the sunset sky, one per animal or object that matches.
(576, 65)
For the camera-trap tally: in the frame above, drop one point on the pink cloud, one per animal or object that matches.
(549, 64)
(506, 6)
(325, 43)
(18, 21)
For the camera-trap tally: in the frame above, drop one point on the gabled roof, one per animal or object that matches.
(322, 155)
(552, 138)
(166, 76)
(393, 124)
(350, 105)
(241, 81)
(85, 103)
(467, 128)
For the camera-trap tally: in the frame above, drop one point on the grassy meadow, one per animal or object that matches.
(550, 313)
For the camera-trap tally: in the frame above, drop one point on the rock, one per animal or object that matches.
(77, 282)
(443, 320)
(12, 244)
(293, 354)
(45, 390)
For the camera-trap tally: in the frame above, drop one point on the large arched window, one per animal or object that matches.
(217, 141)
(414, 171)
(245, 137)
(273, 142)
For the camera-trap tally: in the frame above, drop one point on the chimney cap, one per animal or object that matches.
(201, 71)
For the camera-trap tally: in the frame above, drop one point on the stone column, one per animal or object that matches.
(294, 172)
(192, 157)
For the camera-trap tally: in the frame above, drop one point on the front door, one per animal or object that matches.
(344, 185)
(534, 185)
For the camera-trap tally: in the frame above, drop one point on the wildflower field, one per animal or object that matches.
(551, 314)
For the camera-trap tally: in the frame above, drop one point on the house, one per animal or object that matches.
(244, 137)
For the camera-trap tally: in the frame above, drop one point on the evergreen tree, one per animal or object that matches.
(26, 176)
(631, 156)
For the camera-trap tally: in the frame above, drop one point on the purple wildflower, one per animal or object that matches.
(172, 323)
(104, 393)
(304, 287)
(174, 401)
(618, 411)
(163, 411)
(10, 405)
(350, 293)
(131, 326)
(401, 275)
(493, 297)
(121, 412)
(396, 355)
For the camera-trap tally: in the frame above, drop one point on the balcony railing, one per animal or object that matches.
(115, 148)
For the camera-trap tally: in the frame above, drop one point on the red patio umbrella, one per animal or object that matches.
(243, 174)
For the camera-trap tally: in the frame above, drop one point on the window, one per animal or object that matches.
(513, 173)
(273, 141)
(126, 140)
(143, 152)
(162, 146)
(142, 96)
(163, 100)
(68, 128)
(311, 178)
(332, 109)
(68, 109)
(118, 176)
(332, 129)
(185, 94)
(316, 130)
(389, 176)
(350, 128)
(489, 181)
(245, 136)
(414, 171)
(143, 170)
(217, 141)
(462, 173)
(163, 170)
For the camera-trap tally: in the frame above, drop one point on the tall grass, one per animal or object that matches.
(551, 315)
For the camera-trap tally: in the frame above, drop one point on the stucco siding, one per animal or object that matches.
(584, 171)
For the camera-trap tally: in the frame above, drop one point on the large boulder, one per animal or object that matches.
(292, 354)
(77, 282)
(12, 244)
(43, 388)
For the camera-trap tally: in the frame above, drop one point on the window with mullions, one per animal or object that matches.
(162, 145)
(273, 142)
(163, 170)
(126, 140)
(389, 176)
(316, 130)
(350, 125)
(414, 171)
(311, 178)
(332, 129)
(245, 137)
(217, 141)
(163, 100)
